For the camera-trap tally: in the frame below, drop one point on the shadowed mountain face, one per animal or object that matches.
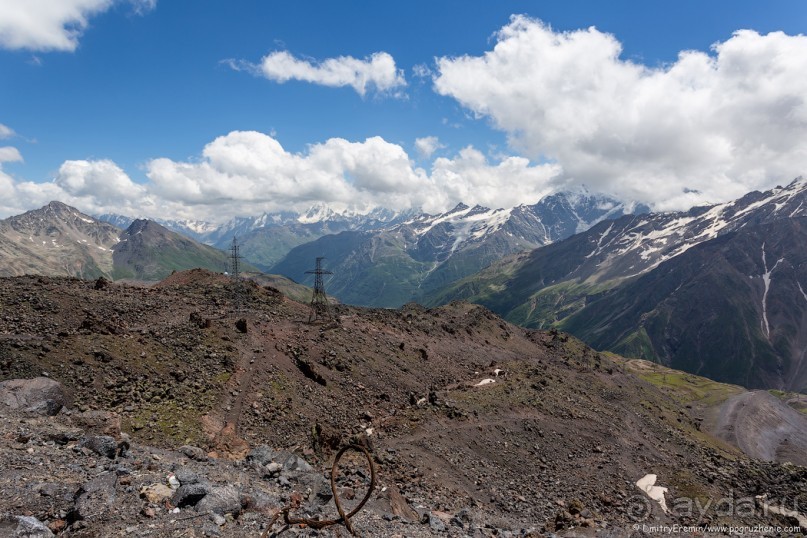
(148, 251)
(732, 309)
(686, 289)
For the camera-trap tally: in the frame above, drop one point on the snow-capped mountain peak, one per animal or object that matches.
(317, 213)
(645, 241)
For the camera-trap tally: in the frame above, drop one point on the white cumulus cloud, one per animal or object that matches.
(45, 25)
(102, 180)
(17, 197)
(707, 127)
(427, 145)
(376, 72)
(6, 131)
(91, 186)
(9, 154)
(470, 177)
(249, 172)
(7, 184)
(422, 71)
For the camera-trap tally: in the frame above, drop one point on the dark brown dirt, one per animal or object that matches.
(557, 441)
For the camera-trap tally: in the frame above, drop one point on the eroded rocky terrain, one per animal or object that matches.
(477, 427)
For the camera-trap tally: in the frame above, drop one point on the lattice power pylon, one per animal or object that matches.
(235, 273)
(320, 310)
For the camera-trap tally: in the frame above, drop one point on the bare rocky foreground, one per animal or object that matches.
(235, 412)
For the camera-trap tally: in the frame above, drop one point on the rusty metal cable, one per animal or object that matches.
(343, 517)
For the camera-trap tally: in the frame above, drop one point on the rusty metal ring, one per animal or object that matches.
(343, 518)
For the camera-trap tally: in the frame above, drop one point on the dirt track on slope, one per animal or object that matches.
(763, 427)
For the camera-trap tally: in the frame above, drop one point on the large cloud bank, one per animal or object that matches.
(247, 173)
(706, 127)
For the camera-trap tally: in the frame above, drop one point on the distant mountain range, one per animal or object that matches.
(265, 239)
(406, 260)
(717, 290)
(59, 240)
(387, 258)
(432, 249)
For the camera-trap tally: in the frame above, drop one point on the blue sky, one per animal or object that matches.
(121, 121)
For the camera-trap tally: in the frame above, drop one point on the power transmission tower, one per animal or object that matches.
(235, 273)
(319, 301)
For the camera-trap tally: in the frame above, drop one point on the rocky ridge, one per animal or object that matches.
(59, 239)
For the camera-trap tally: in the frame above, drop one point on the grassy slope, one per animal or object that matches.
(685, 388)
(266, 247)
